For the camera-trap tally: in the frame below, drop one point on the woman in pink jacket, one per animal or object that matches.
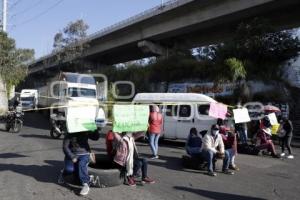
(155, 126)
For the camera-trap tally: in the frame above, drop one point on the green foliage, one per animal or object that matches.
(260, 48)
(234, 69)
(13, 61)
(69, 43)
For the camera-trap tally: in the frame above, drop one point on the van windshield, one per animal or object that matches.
(81, 92)
(27, 98)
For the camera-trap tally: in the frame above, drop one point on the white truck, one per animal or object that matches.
(29, 99)
(68, 90)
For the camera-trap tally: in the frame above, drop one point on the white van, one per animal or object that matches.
(181, 112)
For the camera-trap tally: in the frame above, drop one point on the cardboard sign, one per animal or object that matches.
(130, 118)
(275, 128)
(273, 118)
(217, 110)
(81, 118)
(241, 115)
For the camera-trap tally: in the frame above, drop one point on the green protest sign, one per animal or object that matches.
(130, 118)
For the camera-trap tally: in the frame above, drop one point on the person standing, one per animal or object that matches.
(154, 129)
(286, 137)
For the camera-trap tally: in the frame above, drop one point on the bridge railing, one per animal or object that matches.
(139, 17)
(169, 5)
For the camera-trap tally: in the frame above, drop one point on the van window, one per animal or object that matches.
(185, 111)
(171, 110)
(203, 109)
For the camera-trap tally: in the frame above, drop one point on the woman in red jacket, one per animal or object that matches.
(154, 129)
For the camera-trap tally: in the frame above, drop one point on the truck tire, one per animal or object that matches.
(104, 174)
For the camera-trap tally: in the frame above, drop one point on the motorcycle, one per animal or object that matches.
(58, 125)
(14, 120)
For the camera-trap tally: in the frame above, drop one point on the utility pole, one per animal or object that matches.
(4, 16)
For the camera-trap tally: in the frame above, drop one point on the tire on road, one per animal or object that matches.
(104, 175)
(193, 163)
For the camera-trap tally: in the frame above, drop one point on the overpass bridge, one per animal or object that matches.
(178, 24)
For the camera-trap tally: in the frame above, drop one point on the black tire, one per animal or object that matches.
(104, 174)
(16, 127)
(54, 134)
(193, 163)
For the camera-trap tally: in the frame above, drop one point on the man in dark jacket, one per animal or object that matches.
(287, 127)
(77, 153)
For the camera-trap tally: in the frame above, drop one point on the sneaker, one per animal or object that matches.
(226, 171)
(211, 173)
(148, 180)
(282, 154)
(85, 189)
(61, 179)
(234, 167)
(154, 157)
(290, 156)
(131, 182)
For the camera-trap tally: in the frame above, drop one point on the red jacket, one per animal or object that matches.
(155, 122)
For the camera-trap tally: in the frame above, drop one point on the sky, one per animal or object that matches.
(33, 23)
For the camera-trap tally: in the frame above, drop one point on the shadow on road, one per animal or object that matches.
(37, 136)
(41, 173)
(11, 155)
(216, 195)
(36, 120)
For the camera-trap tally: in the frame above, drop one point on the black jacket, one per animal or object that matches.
(77, 143)
(288, 127)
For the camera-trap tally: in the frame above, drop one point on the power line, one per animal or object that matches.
(15, 4)
(41, 14)
(27, 9)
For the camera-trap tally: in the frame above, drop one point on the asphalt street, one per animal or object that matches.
(30, 163)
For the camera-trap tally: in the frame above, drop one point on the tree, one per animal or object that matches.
(13, 66)
(70, 43)
(261, 48)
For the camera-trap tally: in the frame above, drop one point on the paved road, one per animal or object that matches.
(30, 162)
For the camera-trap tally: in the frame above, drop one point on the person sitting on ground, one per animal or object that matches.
(230, 142)
(110, 144)
(128, 159)
(77, 156)
(193, 143)
(212, 142)
(264, 141)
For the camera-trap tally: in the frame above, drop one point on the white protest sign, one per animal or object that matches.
(81, 118)
(273, 119)
(241, 115)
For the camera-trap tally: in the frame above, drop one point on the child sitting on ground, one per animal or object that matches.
(127, 157)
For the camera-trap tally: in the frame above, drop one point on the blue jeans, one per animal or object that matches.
(79, 169)
(243, 136)
(210, 157)
(231, 156)
(140, 163)
(154, 143)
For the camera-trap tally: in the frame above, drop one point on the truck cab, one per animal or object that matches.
(29, 99)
